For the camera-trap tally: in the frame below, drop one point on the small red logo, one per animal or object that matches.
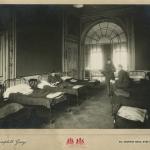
(80, 141)
(76, 141)
(70, 141)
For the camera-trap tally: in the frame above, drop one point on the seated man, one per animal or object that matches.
(121, 85)
(123, 81)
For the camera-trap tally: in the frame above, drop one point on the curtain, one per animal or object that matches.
(120, 55)
(93, 57)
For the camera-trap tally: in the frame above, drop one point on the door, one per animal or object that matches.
(107, 54)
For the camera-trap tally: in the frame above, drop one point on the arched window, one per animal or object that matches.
(105, 40)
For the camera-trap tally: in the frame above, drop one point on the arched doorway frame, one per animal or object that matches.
(128, 29)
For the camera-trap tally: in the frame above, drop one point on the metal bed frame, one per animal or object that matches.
(24, 80)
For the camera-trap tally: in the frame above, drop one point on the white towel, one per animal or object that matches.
(20, 88)
(132, 113)
(77, 86)
(73, 80)
(54, 95)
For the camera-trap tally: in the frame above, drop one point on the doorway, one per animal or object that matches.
(107, 53)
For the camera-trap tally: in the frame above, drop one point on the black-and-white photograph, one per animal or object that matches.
(74, 66)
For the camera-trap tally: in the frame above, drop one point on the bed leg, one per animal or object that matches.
(112, 109)
(52, 120)
(77, 100)
(114, 120)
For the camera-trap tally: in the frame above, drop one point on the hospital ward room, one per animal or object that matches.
(74, 66)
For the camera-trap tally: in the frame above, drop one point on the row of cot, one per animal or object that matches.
(17, 93)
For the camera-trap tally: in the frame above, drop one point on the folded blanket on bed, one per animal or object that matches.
(54, 95)
(20, 88)
(77, 86)
(10, 109)
(29, 100)
(132, 113)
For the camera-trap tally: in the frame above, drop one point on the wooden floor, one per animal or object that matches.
(93, 113)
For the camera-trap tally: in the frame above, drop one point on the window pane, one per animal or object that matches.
(95, 57)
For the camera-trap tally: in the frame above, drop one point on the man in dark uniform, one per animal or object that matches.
(108, 72)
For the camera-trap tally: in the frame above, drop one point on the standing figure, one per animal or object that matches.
(108, 72)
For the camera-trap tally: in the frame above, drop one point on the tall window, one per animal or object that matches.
(105, 33)
(120, 55)
(94, 59)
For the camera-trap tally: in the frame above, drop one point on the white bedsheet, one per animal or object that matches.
(132, 113)
(20, 88)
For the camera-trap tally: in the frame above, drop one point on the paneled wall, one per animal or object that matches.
(142, 39)
(39, 39)
(71, 57)
(71, 25)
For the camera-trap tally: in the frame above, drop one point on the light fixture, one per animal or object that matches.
(78, 5)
